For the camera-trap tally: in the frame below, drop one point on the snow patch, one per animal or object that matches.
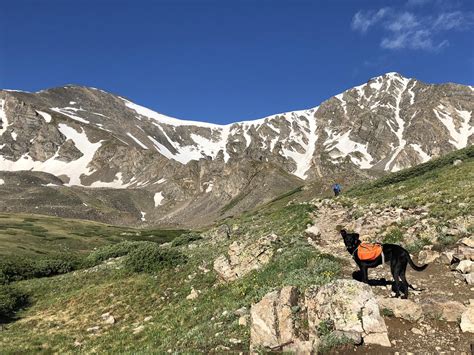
(14, 135)
(460, 136)
(143, 219)
(46, 116)
(2, 182)
(137, 141)
(209, 186)
(339, 145)
(400, 125)
(302, 160)
(412, 94)
(3, 117)
(73, 169)
(158, 198)
(66, 111)
(116, 184)
(424, 157)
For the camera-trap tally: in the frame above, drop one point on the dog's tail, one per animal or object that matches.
(414, 266)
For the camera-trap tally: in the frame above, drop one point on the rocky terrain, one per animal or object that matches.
(276, 278)
(84, 153)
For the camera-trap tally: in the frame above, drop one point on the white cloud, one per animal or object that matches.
(402, 22)
(362, 20)
(404, 29)
(455, 20)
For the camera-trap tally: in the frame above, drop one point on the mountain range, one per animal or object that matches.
(81, 152)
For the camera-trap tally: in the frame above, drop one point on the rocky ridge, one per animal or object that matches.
(87, 138)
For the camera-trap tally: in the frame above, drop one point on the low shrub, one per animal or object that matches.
(186, 238)
(10, 300)
(112, 251)
(150, 257)
(21, 268)
(394, 236)
(418, 245)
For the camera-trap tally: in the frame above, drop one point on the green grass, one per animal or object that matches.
(446, 190)
(64, 307)
(32, 236)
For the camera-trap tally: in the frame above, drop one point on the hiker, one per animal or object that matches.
(337, 189)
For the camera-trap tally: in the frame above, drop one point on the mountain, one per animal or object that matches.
(82, 152)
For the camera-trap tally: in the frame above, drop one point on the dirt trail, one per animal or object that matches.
(437, 284)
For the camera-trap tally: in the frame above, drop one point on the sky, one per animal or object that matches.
(223, 61)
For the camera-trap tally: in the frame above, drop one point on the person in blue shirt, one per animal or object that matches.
(337, 189)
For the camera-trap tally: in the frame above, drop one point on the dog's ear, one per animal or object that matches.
(343, 233)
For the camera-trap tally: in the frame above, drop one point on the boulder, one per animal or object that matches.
(345, 308)
(243, 320)
(401, 308)
(465, 266)
(463, 252)
(450, 311)
(244, 257)
(469, 278)
(351, 309)
(427, 256)
(313, 232)
(272, 325)
(468, 241)
(192, 295)
(446, 257)
(467, 319)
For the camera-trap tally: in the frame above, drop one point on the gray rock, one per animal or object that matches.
(427, 256)
(465, 266)
(401, 308)
(467, 319)
(245, 257)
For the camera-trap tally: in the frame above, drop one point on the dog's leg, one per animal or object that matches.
(395, 274)
(365, 274)
(404, 281)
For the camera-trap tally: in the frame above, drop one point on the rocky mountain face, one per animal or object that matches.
(106, 158)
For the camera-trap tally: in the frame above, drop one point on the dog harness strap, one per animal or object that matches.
(355, 250)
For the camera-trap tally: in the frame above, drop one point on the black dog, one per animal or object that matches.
(395, 254)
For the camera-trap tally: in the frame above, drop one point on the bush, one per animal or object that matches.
(186, 238)
(149, 257)
(15, 269)
(393, 236)
(10, 300)
(418, 245)
(112, 251)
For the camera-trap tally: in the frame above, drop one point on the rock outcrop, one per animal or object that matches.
(244, 257)
(343, 308)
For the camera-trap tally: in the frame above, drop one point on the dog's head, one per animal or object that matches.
(351, 240)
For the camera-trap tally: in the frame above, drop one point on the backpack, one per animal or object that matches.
(369, 251)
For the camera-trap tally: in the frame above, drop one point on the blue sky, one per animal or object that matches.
(227, 60)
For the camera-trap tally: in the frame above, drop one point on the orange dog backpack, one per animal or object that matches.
(369, 251)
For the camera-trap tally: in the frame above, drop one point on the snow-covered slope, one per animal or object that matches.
(90, 138)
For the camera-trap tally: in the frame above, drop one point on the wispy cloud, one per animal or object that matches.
(363, 20)
(405, 29)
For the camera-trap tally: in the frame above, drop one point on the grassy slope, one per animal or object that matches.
(446, 189)
(31, 235)
(63, 307)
